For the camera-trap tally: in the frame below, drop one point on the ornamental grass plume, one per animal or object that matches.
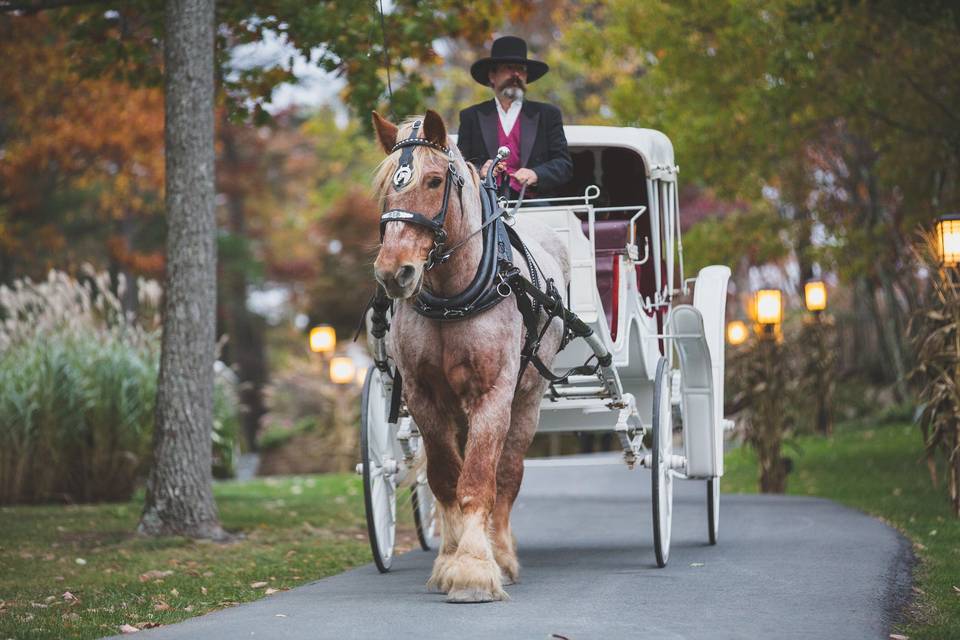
(77, 387)
(935, 329)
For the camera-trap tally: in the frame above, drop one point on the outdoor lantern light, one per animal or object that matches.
(342, 370)
(815, 295)
(323, 339)
(769, 306)
(736, 332)
(948, 239)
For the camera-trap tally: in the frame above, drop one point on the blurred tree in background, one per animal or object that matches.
(841, 115)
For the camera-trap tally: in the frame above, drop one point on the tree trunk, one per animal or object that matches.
(179, 498)
(770, 417)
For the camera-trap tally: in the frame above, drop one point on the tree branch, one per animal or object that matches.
(35, 6)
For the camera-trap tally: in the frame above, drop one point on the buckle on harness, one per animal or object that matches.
(454, 313)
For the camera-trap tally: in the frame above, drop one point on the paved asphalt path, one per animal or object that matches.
(785, 567)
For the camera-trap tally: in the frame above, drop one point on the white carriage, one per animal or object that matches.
(620, 219)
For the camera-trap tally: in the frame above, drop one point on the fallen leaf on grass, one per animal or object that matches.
(48, 600)
(956, 590)
(174, 592)
(897, 636)
(203, 590)
(270, 591)
(155, 574)
(161, 606)
(80, 561)
(258, 585)
(128, 628)
(69, 597)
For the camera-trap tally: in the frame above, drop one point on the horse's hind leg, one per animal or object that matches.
(509, 476)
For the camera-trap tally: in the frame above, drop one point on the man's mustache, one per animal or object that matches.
(514, 81)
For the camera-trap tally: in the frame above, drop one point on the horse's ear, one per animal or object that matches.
(386, 132)
(434, 129)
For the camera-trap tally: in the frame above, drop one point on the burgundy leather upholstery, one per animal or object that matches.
(611, 240)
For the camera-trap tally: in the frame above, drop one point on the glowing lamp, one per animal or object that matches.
(948, 239)
(769, 306)
(342, 370)
(815, 295)
(361, 375)
(736, 332)
(323, 339)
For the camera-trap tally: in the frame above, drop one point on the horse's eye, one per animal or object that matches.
(434, 182)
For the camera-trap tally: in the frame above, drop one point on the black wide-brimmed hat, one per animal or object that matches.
(508, 49)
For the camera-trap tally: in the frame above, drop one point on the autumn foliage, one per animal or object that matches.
(82, 169)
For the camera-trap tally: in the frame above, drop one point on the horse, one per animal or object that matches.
(477, 413)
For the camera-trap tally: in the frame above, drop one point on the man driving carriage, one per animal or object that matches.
(533, 131)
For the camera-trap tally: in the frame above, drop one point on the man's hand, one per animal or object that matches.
(526, 176)
(486, 167)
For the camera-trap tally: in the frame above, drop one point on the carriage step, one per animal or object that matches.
(579, 392)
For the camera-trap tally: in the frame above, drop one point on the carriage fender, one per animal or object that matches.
(699, 342)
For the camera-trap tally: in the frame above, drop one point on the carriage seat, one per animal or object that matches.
(610, 242)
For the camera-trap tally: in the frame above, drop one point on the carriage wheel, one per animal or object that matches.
(379, 470)
(661, 455)
(425, 514)
(713, 508)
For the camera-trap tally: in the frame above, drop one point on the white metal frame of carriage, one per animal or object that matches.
(668, 363)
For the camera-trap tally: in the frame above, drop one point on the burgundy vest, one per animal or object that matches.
(511, 142)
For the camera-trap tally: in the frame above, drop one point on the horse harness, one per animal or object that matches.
(496, 279)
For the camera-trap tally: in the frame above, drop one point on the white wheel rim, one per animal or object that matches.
(380, 450)
(427, 506)
(665, 495)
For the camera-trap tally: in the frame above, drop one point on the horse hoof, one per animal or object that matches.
(474, 596)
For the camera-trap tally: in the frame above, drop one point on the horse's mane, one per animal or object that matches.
(422, 156)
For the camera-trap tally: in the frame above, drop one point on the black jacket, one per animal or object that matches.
(543, 146)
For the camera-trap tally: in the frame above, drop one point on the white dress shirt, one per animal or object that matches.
(508, 118)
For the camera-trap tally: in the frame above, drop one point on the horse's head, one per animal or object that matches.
(413, 180)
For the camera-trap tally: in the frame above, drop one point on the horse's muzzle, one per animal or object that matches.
(400, 283)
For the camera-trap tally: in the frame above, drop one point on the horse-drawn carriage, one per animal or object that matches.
(658, 364)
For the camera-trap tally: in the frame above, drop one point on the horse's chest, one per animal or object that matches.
(465, 359)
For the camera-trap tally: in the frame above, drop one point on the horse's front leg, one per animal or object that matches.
(443, 471)
(473, 574)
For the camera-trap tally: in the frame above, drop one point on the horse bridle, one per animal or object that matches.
(401, 178)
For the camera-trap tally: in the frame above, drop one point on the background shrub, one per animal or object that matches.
(77, 390)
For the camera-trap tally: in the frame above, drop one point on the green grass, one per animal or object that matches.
(881, 469)
(295, 530)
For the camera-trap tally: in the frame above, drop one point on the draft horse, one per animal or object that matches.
(460, 373)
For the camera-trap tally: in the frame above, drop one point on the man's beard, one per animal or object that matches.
(511, 89)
